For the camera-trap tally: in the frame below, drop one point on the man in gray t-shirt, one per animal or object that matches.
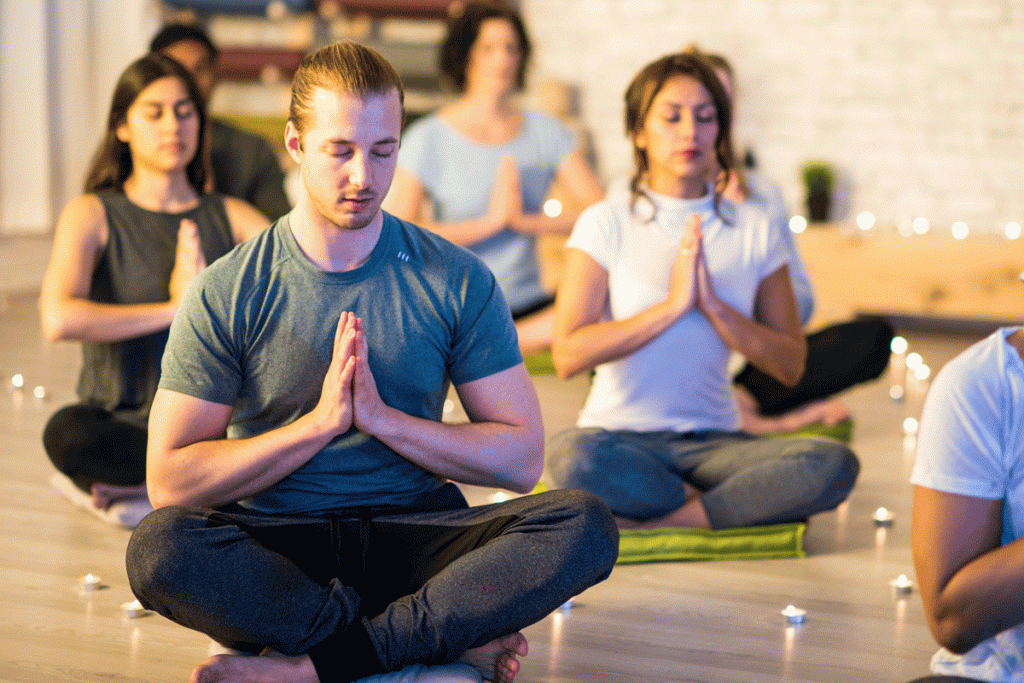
(297, 455)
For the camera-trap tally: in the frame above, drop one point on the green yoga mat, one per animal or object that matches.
(778, 541)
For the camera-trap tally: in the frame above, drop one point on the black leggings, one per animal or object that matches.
(838, 357)
(89, 444)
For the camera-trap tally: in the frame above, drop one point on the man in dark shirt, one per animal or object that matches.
(244, 165)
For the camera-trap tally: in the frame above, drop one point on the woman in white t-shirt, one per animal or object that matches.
(661, 283)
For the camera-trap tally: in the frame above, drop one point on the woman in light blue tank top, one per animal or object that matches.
(123, 254)
(487, 165)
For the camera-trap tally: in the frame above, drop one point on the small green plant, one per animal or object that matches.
(818, 180)
(818, 177)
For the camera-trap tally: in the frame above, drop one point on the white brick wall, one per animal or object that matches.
(918, 103)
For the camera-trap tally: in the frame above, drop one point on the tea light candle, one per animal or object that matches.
(133, 609)
(89, 583)
(18, 381)
(902, 585)
(39, 392)
(883, 517)
(794, 615)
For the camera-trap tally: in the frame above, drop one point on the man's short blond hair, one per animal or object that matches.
(342, 67)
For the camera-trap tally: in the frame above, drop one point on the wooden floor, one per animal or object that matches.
(658, 622)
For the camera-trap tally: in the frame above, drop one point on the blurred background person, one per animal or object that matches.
(487, 164)
(123, 254)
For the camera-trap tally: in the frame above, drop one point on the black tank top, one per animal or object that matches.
(136, 268)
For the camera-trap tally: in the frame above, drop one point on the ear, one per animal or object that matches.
(293, 142)
(122, 132)
(640, 139)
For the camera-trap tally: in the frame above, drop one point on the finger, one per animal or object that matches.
(348, 371)
(338, 333)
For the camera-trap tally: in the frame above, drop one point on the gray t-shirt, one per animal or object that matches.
(256, 332)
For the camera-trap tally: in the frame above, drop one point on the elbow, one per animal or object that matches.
(52, 325)
(526, 478)
(530, 468)
(790, 378)
(792, 373)
(566, 366)
(952, 634)
(161, 497)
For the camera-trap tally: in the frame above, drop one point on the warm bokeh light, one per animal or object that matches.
(865, 220)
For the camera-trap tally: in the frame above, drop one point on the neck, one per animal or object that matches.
(329, 247)
(165, 192)
(681, 188)
(487, 103)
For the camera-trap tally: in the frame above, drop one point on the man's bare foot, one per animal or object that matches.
(105, 495)
(240, 669)
(496, 661)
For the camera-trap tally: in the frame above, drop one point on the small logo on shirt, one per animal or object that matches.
(402, 255)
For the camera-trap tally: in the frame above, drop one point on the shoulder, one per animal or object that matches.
(746, 215)
(978, 370)
(427, 243)
(434, 253)
(602, 222)
(245, 219)
(426, 127)
(247, 263)
(543, 120)
(228, 135)
(85, 208)
(548, 130)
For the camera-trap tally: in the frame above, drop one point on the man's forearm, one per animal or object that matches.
(479, 453)
(214, 472)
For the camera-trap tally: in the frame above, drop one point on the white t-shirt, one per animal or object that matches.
(678, 381)
(971, 443)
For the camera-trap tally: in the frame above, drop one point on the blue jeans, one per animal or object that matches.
(745, 480)
(365, 592)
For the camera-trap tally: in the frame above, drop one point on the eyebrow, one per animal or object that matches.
(699, 105)
(346, 141)
(160, 103)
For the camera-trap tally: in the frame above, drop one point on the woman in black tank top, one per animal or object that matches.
(123, 254)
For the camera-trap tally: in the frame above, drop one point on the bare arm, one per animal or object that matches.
(773, 340)
(501, 446)
(246, 221)
(582, 340)
(970, 585)
(66, 313)
(189, 463)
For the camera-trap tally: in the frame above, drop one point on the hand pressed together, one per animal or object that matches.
(349, 395)
(334, 409)
(189, 260)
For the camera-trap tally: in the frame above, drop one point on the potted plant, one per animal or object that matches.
(818, 181)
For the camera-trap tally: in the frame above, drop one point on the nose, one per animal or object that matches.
(686, 126)
(358, 170)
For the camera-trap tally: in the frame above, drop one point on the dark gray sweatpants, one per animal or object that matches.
(363, 592)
